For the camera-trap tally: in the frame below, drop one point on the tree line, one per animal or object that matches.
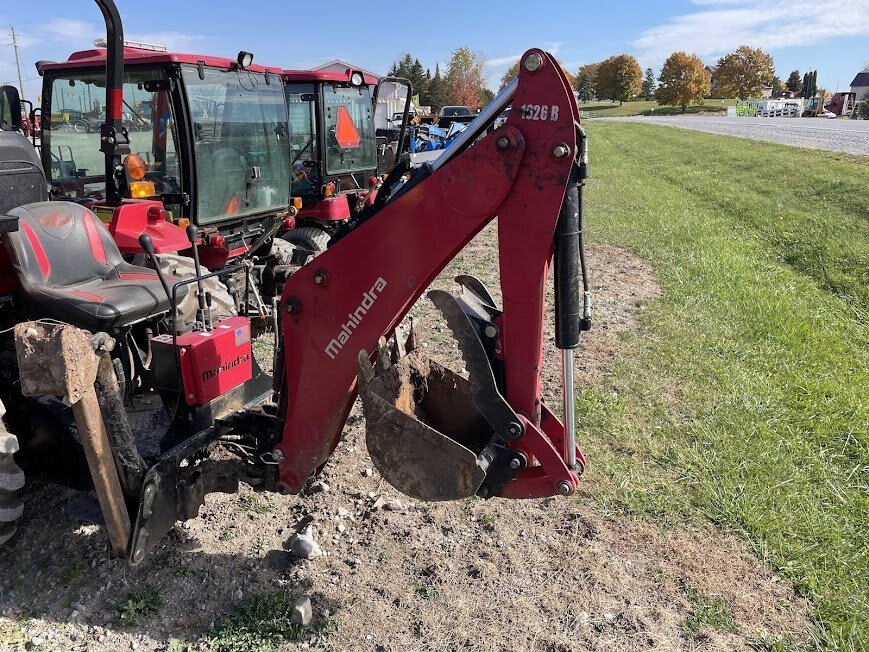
(683, 79)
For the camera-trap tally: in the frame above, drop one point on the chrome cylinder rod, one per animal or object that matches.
(569, 408)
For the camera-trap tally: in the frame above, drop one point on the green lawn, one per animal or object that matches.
(642, 107)
(744, 397)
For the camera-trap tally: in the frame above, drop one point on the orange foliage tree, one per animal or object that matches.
(683, 81)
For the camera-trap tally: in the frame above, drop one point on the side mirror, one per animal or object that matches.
(10, 108)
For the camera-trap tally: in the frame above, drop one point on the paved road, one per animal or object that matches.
(840, 135)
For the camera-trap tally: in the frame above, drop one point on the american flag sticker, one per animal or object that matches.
(242, 335)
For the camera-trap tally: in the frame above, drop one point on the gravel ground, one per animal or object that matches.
(849, 136)
(551, 575)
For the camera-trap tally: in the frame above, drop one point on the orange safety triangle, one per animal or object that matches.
(345, 131)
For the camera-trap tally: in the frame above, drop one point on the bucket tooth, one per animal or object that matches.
(423, 431)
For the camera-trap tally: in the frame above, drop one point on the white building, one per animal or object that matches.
(860, 84)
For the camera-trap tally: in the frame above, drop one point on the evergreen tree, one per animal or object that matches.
(438, 94)
(649, 84)
(795, 81)
(586, 88)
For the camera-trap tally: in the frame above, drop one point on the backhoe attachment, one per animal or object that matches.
(432, 433)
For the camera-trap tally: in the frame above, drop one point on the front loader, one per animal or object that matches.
(108, 389)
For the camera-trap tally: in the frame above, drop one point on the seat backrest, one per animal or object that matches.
(61, 244)
(21, 177)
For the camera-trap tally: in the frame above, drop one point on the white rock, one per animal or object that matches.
(342, 528)
(102, 638)
(342, 512)
(237, 595)
(320, 486)
(37, 641)
(368, 473)
(325, 613)
(393, 505)
(303, 546)
(609, 616)
(583, 617)
(301, 611)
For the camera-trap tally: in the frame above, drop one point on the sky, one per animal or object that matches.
(832, 37)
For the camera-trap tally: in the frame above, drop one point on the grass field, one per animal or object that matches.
(642, 107)
(744, 398)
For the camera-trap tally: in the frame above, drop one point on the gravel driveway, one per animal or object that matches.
(840, 135)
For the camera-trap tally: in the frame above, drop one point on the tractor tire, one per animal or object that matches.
(308, 240)
(81, 127)
(286, 253)
(182, 267)
(11, 480)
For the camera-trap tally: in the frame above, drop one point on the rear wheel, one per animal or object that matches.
(11, 481)
(309, 241)
(182, 267)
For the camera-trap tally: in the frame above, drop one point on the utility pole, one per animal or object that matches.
(17, 62)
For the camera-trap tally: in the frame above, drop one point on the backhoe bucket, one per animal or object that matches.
(423, 432)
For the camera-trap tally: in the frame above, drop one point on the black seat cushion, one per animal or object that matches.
(70, 269)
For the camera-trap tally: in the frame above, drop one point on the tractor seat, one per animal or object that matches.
(70, 269)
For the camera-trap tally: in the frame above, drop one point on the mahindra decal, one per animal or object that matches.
(355, 318)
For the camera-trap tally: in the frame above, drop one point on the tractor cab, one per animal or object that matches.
(208, 138)
(333, 149)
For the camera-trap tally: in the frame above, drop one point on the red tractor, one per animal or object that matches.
(107, 387)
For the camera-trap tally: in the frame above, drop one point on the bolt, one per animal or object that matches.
(292, 306)
(515, 463)
(514, 430)
(490, 331)
(502, 143)
(533, 62)
(319, 279)
(561, 151)
(277, 455)
(564, 488)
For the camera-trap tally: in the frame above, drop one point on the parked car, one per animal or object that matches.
(501, 119)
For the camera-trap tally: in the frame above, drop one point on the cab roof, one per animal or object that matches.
(325, 75)
(96, 57)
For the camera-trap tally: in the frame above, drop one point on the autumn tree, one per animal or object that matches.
(465, 77)
(509, 74)
(742, 73)
(683, 81)
(584, 81)
(795, 81)
(619, 78)
(438, 93)
(649, 84)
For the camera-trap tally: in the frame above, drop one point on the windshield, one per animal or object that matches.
(304, 150)
(71, 138)
(456, 111)
(240, 143)
(350, 139)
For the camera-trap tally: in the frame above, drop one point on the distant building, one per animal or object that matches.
(765, 91)
(337, 65)
(860, 84)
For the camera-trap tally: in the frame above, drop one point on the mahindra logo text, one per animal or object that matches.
(226, 366)
(355, 318)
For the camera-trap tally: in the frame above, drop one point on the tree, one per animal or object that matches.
(410, 68)
(777, 84)
(486, 96)
(584, 83)
(509, 74)
(683, 81)
(649, 84)
(795, 82)
(742, 73)
(438, 93)
(619, 78)
(863, 107)
(465, 77)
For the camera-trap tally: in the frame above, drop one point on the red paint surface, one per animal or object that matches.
(39, 252)
(94, 241)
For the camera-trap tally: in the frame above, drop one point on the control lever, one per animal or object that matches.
(147, 246)
(203, 312)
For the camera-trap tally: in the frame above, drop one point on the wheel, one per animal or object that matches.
(11, 480)
(81, 127)
(182, 267)
(309, 241)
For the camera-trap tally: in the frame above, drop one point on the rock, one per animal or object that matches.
(301, 611)
(237, 595)
(583, 617)
(341, 528)
(134, 645)
(319, 487)
(325, 613)
(393, 505)
(303, 546)
(79, 607)
(343, 513)
(367, 473)
(37, 641)
(102, 638)
(379, 503)
(609, 616)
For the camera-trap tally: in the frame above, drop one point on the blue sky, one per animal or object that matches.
(832, 37)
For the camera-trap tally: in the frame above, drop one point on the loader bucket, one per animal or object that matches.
(423, 431)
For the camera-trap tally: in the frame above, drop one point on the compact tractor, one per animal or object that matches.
(108, 387)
